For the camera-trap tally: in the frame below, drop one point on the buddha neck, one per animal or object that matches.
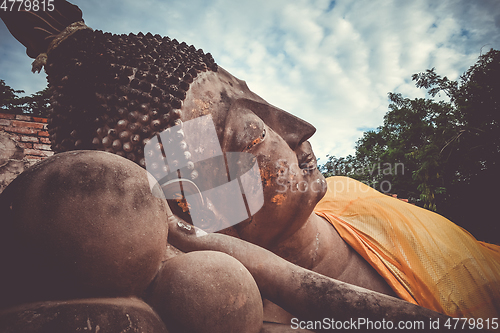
(311, 244)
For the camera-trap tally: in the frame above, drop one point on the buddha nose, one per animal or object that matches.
(291, 128)
(296, 130)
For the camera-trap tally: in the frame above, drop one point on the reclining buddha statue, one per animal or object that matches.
(180, 201)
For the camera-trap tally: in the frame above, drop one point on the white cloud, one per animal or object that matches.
(15, 67)
(331, 65)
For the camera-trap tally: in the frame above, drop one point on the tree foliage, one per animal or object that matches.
(8, 98)
(37, 104)
(450, 150)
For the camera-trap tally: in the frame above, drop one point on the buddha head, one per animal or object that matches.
(119, 93)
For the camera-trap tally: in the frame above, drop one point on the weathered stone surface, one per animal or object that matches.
(11, 160)
(78, 225)
(209, 292)
(281, 328)
(9, 149)
(9, 172)
(85, 315)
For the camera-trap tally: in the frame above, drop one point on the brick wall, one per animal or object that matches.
(30, 133)
(24, 140)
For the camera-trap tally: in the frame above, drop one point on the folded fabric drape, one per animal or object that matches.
(427, 259)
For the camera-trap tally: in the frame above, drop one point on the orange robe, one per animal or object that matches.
(425, 258)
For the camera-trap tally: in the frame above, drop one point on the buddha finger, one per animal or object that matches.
(183, 235)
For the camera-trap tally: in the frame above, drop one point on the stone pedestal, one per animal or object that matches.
(85, 315)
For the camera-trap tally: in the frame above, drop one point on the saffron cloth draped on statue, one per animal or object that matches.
(427, 259)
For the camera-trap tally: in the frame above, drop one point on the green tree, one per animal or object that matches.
(404, 151)
(9, 101)
(37, 104)
(450, 150)
(476, 98)
(369, 151)
(473, 152)
(343, 166)
(417, 129)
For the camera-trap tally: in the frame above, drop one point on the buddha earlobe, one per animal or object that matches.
(37, 29)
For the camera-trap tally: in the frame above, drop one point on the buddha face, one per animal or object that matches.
(244, 122)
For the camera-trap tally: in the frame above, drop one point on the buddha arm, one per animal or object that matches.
(304, 293)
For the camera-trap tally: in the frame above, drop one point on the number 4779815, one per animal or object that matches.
(27, 5)
(471, 323)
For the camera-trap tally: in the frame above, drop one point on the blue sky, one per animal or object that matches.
(331, 63)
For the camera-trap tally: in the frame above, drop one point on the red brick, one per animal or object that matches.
(45, 140)
(43, 133)
(23, 117)
(27, 124)
(25, 138)
(36, 152)
(29, 157)
(25, 145)
(5, 122)
(405, 200)
(40, 120)
(22, 130)
(33, 152)
(41, 146)
(7, 116)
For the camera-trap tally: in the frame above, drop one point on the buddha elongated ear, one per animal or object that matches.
(36, 29)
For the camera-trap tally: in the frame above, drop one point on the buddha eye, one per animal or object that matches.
(257, 141)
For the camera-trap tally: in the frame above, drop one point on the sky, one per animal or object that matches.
(331, 63)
